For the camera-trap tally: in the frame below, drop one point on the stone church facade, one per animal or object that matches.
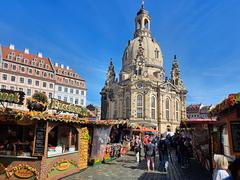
(143, 94)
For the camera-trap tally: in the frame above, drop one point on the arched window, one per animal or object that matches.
(153, 107)
(128, 108)
(139, 106)
(146, 24)
(167, 109)
(62, 139)
(177, 110)
(139, 24)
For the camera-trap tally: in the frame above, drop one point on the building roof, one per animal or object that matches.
(193, 108)
(67, 72)
(26, 55)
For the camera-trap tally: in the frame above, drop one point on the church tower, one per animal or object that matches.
(143, 95)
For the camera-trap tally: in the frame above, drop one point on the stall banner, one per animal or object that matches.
(10, 96)
(66, 107)
(100, 140)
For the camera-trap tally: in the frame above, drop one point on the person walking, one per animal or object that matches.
(137, 148)
(150, 155)
(221, 166)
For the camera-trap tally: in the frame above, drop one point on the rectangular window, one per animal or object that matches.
(49, 95)
(5, 65)
(14, 67)
(30, 81)
(66, 81)
(59, 88)
(12, 88)
(4, 77)
(36, 83)
(71, 91)
(21, 80)
(50, 85)
(82, 93)
(13, 78)
(35, 91)
(51, 75)
(29, 92)
(3, 86)
(22, 69)
(37, 72)
(71, 100)
(65, 89)
(71, 82)
(20, 89)
(82, 102)
(59, 97)
(44, 84)
(29, 70)
(76, 101)
(77, 91)
(65, 99)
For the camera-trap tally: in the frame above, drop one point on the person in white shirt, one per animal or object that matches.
(221, 166)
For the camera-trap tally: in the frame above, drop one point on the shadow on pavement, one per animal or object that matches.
(153, 175)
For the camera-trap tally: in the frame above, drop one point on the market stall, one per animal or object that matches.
(35, 144)
(106, 143)
(200, 130)
(228, 117)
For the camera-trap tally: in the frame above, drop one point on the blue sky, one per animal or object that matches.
(85, 34)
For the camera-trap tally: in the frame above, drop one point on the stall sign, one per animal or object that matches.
(65, 107)
(10, 96)
(63, 166)
(23, 173)
(40, 135)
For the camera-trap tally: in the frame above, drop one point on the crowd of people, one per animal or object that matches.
(151, 146)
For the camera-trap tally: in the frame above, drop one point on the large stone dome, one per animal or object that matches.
(152, 52)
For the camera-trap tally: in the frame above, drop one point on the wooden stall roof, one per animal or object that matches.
(232, 100)
(19, 115)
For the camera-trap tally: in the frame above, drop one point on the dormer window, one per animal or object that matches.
(10, 55)
(73, 75)
(40, 65)
(77, 82)
(42, 61)
(46, 66)
(20, 55)
(71, 82)
(66, 81)
(34, 62)
(26, 61)
(44, 74)
(18, 58)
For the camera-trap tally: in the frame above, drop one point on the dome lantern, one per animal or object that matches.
(142, 23)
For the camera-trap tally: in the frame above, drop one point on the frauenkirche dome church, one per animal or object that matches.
(143, 94)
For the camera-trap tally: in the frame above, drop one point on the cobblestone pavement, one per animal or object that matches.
(125, 168)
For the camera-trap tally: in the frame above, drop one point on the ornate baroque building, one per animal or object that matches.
(143, 94)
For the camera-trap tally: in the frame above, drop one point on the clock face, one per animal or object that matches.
(139, 85)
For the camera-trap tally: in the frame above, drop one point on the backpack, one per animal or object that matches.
(162, 145)
(150, 149)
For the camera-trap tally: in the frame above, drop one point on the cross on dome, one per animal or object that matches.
(142, 3)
